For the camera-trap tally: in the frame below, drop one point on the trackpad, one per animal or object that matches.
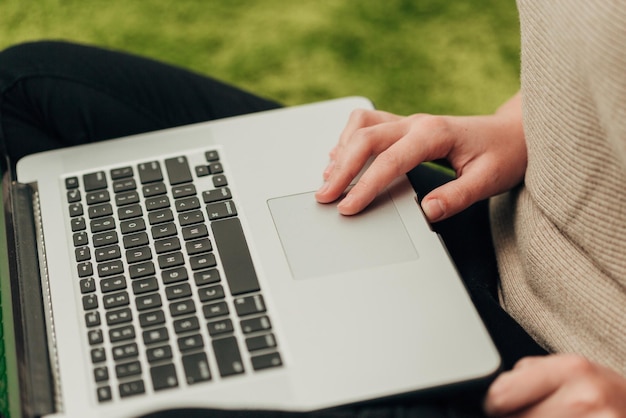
(318, 241)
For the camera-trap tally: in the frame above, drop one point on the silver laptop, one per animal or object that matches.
(192, 267)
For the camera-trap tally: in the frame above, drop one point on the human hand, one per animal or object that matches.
(557, 386)
(488, 154)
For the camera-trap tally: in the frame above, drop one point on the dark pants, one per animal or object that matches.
(54, 95)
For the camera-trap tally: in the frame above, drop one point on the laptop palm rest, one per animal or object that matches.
(318, 241)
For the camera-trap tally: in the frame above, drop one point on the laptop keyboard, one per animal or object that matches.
(168, 288)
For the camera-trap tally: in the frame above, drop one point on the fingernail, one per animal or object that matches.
(345, 202)
(433, 209)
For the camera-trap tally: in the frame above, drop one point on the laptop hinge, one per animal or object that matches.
(31, 333)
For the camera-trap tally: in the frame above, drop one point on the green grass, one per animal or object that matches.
(438, 56)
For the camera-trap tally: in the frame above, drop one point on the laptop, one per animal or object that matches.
(193, 268)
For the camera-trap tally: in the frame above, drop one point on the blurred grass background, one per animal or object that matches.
(438, 56)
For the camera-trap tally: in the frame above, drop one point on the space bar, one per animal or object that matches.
(235, 256)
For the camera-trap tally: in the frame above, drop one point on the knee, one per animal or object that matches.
(27, 59)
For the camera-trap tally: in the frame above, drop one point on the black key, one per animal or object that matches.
(120, 316)
(182, 308)
(216, 195)
(124, 333)
(156, 335)
(211, 156)
(115, 300)
(98, 211)
(157, 202)
(92, 319)
(104, 393)
(188, 203)
(109, 253)
(202, 170)
(223, 326)
(95, 336)
(249, 305)
(87, 285)
(100, 196)
(138, 254)
(163, 231)
(163, 377)
(112, 284)
(266, 361)
(198, 246)
(206, 277)
(196, 368)
(124, 185)
(199, 262)
(80, 239)
(166, 245)
(71, 183)
(178, 170)
(174, 275)
(190, 218)
(160, 216)
(135, 240)
(105, 238)
(220, 180)
(78, 224)
(102, 224)
(190, 342)
(228, 357)
(132, 388)
(150, 172)
(251, 325)
(207, 294)
(220, 210)
(149, 319)
(159, 353)
(125, 351)
(216, 168)
(195, 231)
(170, 260)
(145, 285)
(128, 369)
(154, 189)
(101, 374)
(122, 172)
(214, 310)
(132, 226)
(178, 291)
(110, 268)
(73, 196)
(95, 181)
(186, 325)
(235, 256)
(82, 254)
(139, 270)
(90, 302)
(261, 342)
(129, 212)
(76, 209)
(127, 198)
(98, 355)
(150, 301)
(184, 190)
(85, 269)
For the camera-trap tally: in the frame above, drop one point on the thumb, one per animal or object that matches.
(453, 197)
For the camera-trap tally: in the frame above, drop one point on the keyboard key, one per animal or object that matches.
(214, 310)
(109, 253)
(220, 180)
(104, 393)
(120, 173)
(76, 209)
(138, 254)
(174, 275)
(216, 168)
(196, 368)
(156, 335)
(203, 261)
(105, 238)
(182, 308)
(120, 316)
(184, 190)
(95, 336)
(102, 224)
(157, 202)
(98, 355)
(80, 239)
(207, 294)
(163, 231)
(73, 196)
(101, 374)
(78, 224)
(132, 388)
(166, 245)
(135, 240)
(127, 332)
(85, 269)
(90, 302)
(129, 212)
(195, 231)
(190, 218)
(71, 183)
(139, 270)
(150, 172)
(154, 189)
(100, 196)
(112, 284)
(145, 285)
(178, 170)
(95, 181)
(92, 319)
(163, 377)
(178, 291)
(87, 285)
(159, 353)
(170, 260)
(190, 342)
(220, 327)
(216, 195)
(127, 198)
(98, 211)
(115, 300)
(220, 210)
(110, 268)
(266, 361)
(205, 277)
(149, 301)
(251, 325)
(260, 342)
(125, 351)
(186, 325)
(249, 305)
(82, 254)
(235, 256)
(228, 356)
(134, 225)
(149, 319)
(198, 246)
(202, 170)
(160, 216)
(186, 204)
(128, 369)
(124, 185)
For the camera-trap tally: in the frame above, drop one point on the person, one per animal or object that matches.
(544, 175)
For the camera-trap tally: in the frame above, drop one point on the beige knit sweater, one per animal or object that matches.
(561, 236)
